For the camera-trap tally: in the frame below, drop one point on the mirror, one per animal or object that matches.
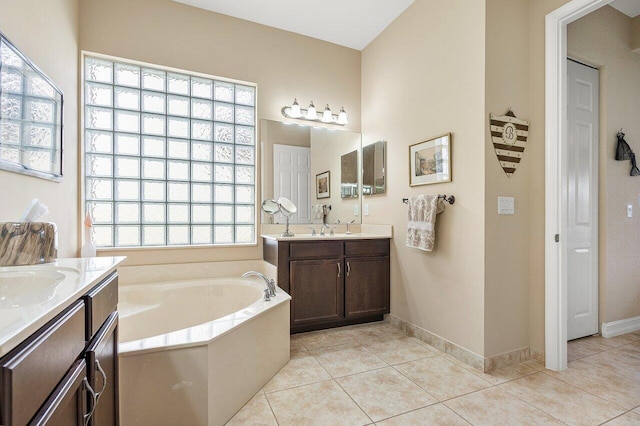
(284, 206)
(292, 157)
(373, 168)
(270, 207)
(30, 117)
(349, 175)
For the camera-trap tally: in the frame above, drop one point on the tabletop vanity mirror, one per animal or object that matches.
(296, 159)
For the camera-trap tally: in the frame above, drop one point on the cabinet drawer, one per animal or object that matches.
(31, 371)
(367, 248)
(101, 301)
(314, 250)
(102, 372)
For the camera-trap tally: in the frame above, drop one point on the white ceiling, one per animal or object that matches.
(350, 23)
(628, 7)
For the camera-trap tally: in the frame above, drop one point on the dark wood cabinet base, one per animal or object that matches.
(336, 323)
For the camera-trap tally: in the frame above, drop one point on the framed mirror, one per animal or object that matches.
(374, 168)
(30, 117)
(293, 156)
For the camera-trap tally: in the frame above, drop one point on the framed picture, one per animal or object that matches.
(323, 185)
(430, 161)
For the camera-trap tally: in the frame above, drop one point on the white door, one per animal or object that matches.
(582, 201)
(292, 179)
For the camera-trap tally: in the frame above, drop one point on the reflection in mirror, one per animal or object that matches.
(349, 175)
(287, 207)
(292, 156)
(270, 207)
(373, 168)
(30, 117)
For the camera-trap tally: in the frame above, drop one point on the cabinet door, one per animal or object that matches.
(102, 372)
(317, 290)
(66, 406)
(366, 286)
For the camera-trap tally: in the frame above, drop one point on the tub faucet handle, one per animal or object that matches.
(267, 298)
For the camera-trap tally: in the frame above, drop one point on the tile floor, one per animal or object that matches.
(373, 374)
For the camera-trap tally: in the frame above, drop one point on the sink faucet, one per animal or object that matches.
(271, 284)
(349, 226)
(325, 227)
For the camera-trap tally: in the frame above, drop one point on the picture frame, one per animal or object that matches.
(323, 185)
(430, 161)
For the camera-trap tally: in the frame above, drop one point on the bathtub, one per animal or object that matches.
(196, 346)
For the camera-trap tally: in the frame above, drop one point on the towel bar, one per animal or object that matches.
(450, 199)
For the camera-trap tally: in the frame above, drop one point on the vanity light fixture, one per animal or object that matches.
(311, 114)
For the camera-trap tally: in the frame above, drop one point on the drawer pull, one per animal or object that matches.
(348, 268)
(104, 381)
(338, 270)
(94, 401)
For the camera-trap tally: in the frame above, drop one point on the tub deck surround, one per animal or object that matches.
(27, 243)
(195, 350)
(29, 306)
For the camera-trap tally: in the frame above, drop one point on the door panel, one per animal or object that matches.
(292, 179)
(582, 201)
(317, 290)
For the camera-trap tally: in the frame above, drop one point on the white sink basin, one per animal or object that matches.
(23, 286)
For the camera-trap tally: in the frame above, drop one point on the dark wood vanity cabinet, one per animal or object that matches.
(65, 374)
(332, 282)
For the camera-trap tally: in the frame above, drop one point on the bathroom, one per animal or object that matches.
(436, 69)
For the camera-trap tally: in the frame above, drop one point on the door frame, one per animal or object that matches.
(556, 137)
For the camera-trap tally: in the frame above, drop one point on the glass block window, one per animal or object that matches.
(169, 157)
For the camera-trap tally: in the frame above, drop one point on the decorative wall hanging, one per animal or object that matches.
(624, 152)
(509, 135)
(430, 161)
(323, 185)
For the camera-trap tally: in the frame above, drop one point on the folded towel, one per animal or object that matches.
(317, 213)
(421, 221)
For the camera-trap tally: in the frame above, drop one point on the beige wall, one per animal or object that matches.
(422, 77)
(506, 236)
(47, 32)
(283, 64)
(603, 39)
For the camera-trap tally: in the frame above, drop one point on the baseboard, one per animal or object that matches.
(616, 328)
(462, 354)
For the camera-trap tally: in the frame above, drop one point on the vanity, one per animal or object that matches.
(333, 280)
(58, 343)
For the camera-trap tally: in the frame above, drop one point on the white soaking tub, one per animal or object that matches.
(193, 351)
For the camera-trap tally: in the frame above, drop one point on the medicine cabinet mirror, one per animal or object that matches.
(30, 117)
(374, 168)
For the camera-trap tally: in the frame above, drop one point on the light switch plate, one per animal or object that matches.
(506, 205)
(629, 210)
(366, 209)
(356, 210)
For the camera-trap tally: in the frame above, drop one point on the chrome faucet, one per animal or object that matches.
(349, 226)
(271, 284)
(325, 227)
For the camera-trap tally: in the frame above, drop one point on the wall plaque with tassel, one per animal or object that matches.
(624, 152)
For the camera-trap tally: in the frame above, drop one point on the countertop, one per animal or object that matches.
(25, 309)
(318, 237)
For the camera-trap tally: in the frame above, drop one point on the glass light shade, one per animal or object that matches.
(312, 114)
(342, 117)
(327, 117)
(295, 110)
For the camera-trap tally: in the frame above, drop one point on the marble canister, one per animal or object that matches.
(27, 243)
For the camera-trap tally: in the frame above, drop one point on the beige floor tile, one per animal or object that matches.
(385, 393)
(613, 342)
(561, 400)
(302, 369)
(403, 349)
(324, 338)
(495, 406)
(256, 413)
(441, 377)
(296, 343)
(376, 333)
(321, 404)
(622, 361)
(511, 372)
(347, 359)
(637, 410)
(581, 348)
(601, 382)
(433, 415)
(628, 419)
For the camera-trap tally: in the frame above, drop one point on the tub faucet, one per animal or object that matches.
(271, 284)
